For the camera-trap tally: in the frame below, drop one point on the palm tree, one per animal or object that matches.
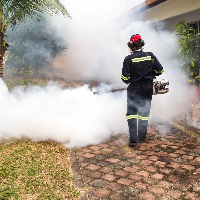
(14, 12)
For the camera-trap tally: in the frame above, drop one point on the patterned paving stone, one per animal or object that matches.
(174, 155)
(150, 181)
(143, 173)
(103, 163)
(88, 179)
(174, 194)
(113, 160)
(86, 150)
(121, 173)
(148, 153)
(118, 196)
(198, 171)
(95, 174)
(107, 150)
(196, 188)
(113, 186)
(128, 155)
(135, 177)
(96, 152)
(173, 178)
(90, 160)
(124, 164)
(85, 171)
(174, 165)
(146, 162)
(156, 190)
(92, 167)
(180, 152)
(95, 148)
(101, 192)
(192, 196)
(165, 184)
(146, 195)
(140, 186)
(180, 187)
(84, 164)
(165, 171)
(189, 167)
(130, 191)
(81, 159)
(105, 169)
(103, 145)
(131, 169)
(98, 183)
(125, 181)
(188, 157)
(153, 158)
(174, 147)
(160, 164)
(163, 168)
(197, 159)
(109, 177)
(157, 176)
(152, 169)
(133, 160)
(141, 157)
(88, 155)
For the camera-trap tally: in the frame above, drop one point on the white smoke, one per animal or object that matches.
(75, 116)
(98, 53)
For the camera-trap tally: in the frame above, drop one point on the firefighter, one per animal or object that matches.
(139, 70)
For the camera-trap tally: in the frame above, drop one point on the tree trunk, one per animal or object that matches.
(199, 68)
(3, 47)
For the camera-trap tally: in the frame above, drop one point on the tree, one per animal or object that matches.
(31, 50)
(188, 41)
(15, 12)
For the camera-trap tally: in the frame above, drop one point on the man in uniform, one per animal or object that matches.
(139, 69)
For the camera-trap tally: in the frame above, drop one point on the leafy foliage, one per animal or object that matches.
(31, 50)
(189, 49)
(17, 11)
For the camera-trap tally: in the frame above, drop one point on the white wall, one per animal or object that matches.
(168, 9)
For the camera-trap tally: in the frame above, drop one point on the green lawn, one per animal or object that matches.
(17, 82)
(35, 170)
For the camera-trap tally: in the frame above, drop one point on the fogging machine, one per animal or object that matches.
(159, 87)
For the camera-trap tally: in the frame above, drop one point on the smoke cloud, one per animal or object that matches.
(98, 52)
(97, 49)
(74, 117)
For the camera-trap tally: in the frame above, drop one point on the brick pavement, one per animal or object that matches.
(165, 167)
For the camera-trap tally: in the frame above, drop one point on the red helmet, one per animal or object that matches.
(135, 41)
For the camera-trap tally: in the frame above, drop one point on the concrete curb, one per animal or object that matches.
(78, 177)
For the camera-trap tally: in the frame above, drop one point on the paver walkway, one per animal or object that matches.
(165, 167)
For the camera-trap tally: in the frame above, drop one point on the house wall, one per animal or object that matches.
(168, 9)
(169, 23)
(188, 17)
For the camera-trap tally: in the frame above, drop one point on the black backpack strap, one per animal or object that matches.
(152, 58)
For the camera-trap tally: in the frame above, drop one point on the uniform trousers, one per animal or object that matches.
(139, 96)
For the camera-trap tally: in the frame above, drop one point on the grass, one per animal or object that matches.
(17, 82)
(35, 170)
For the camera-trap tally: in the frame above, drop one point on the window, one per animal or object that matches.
(195, 26)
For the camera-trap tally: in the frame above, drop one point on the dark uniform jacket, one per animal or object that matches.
(137, 68)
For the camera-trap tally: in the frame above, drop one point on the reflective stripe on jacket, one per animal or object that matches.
(137, 67)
